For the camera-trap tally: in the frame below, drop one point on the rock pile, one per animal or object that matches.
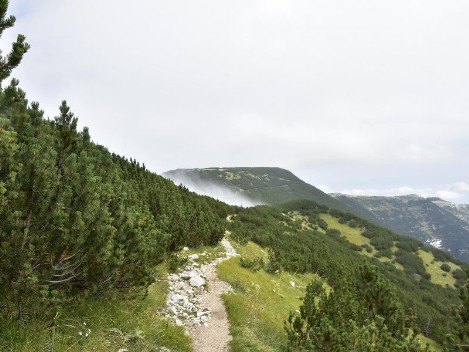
(184, 304)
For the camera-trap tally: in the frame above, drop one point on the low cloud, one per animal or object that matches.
(334, 91)
(203, 187)
(449, 195)
(461, 186)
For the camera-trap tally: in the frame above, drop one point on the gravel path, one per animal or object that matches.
(216, 336)
(194, 301)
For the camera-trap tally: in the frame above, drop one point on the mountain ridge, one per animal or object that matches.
(431, 220)
(261, 185)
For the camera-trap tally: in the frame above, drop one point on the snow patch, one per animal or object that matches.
(435, 243)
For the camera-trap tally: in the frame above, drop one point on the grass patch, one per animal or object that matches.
(260, 301)
(303, 219)
(206, 253)
(354, 235)
(433, 267)
(250, 251)
(432, 345)
(113, 324)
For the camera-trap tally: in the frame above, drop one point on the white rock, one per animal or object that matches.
(185, 249)
(193, 257)
(201, 313)
(196, 281)
(292, 283)
(184, 304)
(185, 276)
(176, 297)
(162, 349)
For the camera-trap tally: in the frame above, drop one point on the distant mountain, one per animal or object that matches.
(442, 224)
(252, 185)
(461, 211)
(436, 222)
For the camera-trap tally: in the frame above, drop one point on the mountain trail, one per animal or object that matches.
(194, 301)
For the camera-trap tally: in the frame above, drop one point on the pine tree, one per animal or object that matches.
(19, 48)
(464, 315)
(360, 316)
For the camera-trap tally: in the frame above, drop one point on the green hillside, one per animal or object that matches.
(430, 220)
(267, 185)
(88, 239)
(82, 230)
(303, 237)
(334, 245)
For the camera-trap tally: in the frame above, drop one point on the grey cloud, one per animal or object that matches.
(211, 189)
(349, 94)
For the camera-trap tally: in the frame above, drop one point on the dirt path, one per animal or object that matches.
(214, 337)
(194, 301)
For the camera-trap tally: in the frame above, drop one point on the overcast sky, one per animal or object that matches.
(360, 96)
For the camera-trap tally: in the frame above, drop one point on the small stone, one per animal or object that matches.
(175, 298)
(292, 283)
(185, 275)
(193, 257)
(162, 349)
(196, 281)
(201, 313)
(204, 318)
(185, 249)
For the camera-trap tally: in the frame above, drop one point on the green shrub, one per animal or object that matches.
(445, 267)
(176, 261)
(253, 265)
(459, 275)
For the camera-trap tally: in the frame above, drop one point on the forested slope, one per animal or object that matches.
(265, 185)
(299, 240)
(76, 219)
(428, 219)
(81, 224)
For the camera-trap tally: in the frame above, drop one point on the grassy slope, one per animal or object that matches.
(354, 235)
(432, 266)
(135, 325)
(257, 308)
(432, 345)
(421, 218)
(260, 301)
(130, 324)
